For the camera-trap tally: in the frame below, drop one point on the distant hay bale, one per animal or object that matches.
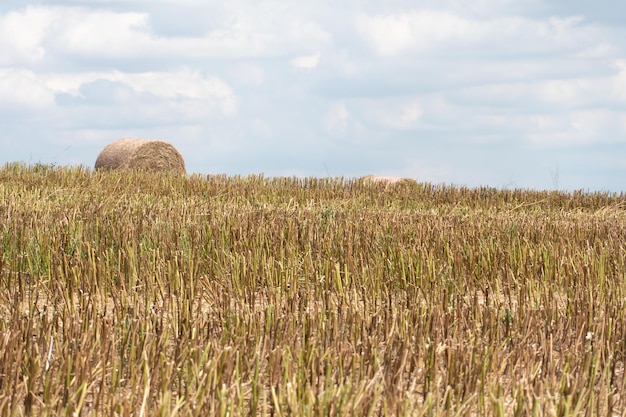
(387, 181)
(143, 154)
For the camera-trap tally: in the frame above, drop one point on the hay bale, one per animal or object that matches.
(387, 181)
(143, 154)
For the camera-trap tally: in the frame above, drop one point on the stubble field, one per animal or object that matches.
(129, 293)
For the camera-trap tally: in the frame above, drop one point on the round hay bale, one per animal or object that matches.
(387, 181)
(143, 154)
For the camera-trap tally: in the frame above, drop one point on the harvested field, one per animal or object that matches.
(140, 293)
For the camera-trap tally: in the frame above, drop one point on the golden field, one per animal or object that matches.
(130, 293)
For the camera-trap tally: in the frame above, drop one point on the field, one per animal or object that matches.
(129, 293)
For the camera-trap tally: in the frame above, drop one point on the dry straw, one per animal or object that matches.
(144, 154)
(387, 181)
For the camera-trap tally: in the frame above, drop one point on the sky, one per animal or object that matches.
(501, 93)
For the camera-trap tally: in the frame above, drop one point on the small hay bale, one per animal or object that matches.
(143, 154)
(387, 181)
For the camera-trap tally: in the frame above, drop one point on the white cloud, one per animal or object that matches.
(575, 128)
(588, 122)
(245, 35)
(101, 33)
(113, 101)
(337, 119)
(177, 86)
(567, 92)
(249, 73)
(407, 117)
(261, 128)
(188, 85)
(618, 86)
(306, 61)
(390, 113)
(395, 34)
(446, 33)
(24, 89)
(32, 34)
(553, 95)
(21, 36)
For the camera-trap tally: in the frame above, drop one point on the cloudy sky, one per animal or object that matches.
(502, 93)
